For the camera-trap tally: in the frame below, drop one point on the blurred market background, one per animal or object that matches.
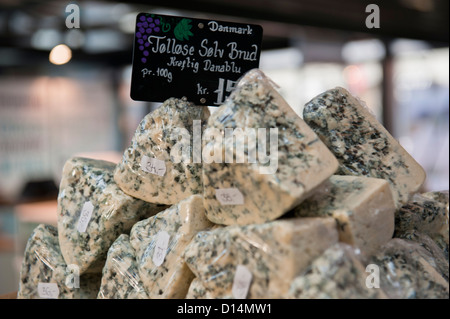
(81, 104)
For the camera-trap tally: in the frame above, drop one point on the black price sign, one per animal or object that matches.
(193, 58)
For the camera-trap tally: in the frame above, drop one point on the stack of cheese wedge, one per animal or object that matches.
(334, 211)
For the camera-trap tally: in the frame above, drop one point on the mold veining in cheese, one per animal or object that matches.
(427, 214)
(423, 214)
(254, 195)
(149, 170)
(120, 277)
(45, 275)
(339, 273)
(272, 255)
(248, 201)
(196, 290)
(406, 272)
(93, 211)
(363, 208)
(431, 251)
(159, 242)
(361, 144)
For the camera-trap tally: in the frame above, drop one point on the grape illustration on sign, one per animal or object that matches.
(145, 27)
(154, 25)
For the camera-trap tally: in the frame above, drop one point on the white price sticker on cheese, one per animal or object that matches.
(241, 283)
(153, 165)
(229, 196)
(48, 290)
(85, 216)
(162, 243)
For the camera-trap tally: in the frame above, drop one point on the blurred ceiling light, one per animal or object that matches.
(103, 40)
(45, 39)
(407, 46)
(354, 75)
(74, 38)
(363, 51)
(95, 13)
(281, 59)
(60, 54)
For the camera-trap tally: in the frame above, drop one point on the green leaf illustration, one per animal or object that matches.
(183, 30)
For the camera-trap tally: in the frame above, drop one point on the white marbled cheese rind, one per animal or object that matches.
(120, 277)
(157, 134)
(406, 272)
(274, 252)
(44, 263)
(363, 208)
(182, 222)
(337, 274)
(302, 163)
(361, 144)
(114, 212)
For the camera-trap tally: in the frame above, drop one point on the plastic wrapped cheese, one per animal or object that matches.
(45, 275)
(434, 253)
(93, 211)
(161, 164)
(426, 214)
(120, 277)
(339, 273)
(363, 208)
(361, 144)
(196, 290)
(439, 196)
(406, 272)
(257, 260)
(159, 242)
(265, 160)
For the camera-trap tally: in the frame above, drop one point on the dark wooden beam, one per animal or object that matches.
(396, 20)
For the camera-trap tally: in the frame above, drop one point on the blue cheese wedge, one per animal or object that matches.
(337, 274)
(257, 260)
(93, 211)
(362, 207)
(151, 169)
(159, 242)
(406, 272)
(120, 277)
(432, 251)
(442, 236)
(361, 144)
(424, 214)
(249, 189)
(45, 275)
